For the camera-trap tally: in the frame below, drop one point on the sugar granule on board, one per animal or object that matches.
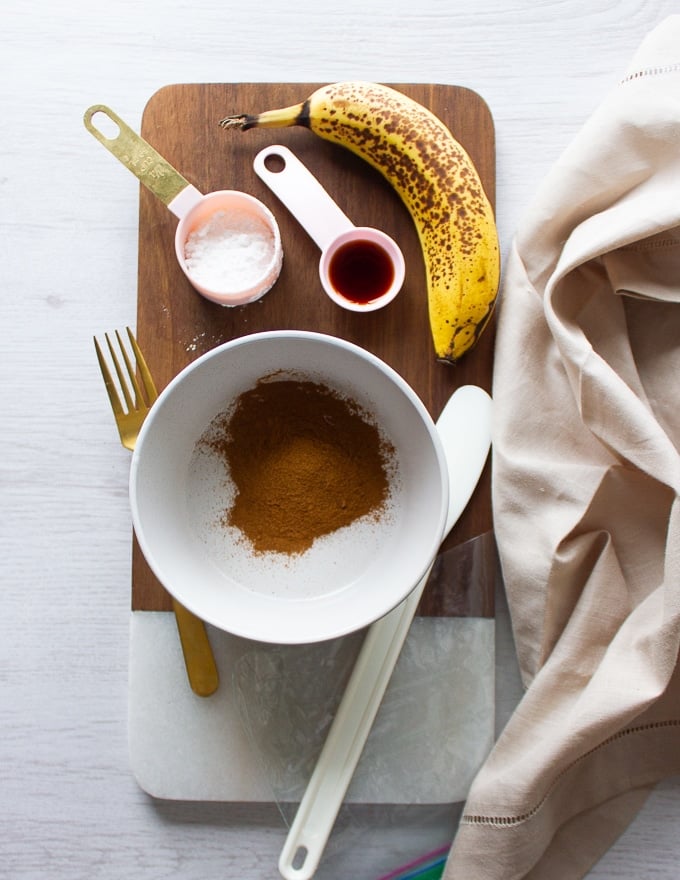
(232, 251)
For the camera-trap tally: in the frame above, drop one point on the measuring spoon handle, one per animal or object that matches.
(302, 194)
(146, 164)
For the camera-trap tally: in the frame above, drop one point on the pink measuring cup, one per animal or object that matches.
(238, 212)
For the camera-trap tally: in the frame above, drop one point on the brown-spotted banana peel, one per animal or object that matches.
(437, 181)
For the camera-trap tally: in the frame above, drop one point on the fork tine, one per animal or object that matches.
(144, 372)
(121, 376)
(116, 405)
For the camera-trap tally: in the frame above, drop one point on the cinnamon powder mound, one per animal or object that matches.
(304, 462)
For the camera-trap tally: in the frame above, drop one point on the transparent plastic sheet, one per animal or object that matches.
(427, 867)
(433, 730)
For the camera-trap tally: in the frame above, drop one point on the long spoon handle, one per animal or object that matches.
(465, 427)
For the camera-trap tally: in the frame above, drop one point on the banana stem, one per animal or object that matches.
(297, 114)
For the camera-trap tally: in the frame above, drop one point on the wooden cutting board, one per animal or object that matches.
(175, 324)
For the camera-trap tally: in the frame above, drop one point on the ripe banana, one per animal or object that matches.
(436, 180)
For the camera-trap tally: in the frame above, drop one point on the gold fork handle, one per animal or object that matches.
(198, 656)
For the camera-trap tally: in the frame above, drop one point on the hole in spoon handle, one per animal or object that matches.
(303, 195)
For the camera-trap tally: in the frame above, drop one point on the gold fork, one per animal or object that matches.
(139, 395)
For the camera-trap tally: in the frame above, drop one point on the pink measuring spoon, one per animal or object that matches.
(361, 269)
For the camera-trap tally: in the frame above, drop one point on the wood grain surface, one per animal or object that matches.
(175, 324)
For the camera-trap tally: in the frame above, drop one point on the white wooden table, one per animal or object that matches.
(68, 248)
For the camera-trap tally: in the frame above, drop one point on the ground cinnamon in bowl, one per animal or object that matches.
(304, 461)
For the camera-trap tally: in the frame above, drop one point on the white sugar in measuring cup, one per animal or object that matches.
(227, 242)
(361, 268)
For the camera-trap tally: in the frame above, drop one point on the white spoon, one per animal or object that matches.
(465, 428)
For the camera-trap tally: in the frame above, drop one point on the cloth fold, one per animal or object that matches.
(586, 490)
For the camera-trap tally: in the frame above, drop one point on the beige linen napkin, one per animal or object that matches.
(586, 479)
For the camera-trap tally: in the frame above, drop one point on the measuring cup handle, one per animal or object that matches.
(145, 163)
(303, 195)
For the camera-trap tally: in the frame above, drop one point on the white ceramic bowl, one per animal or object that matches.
(346, 580)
